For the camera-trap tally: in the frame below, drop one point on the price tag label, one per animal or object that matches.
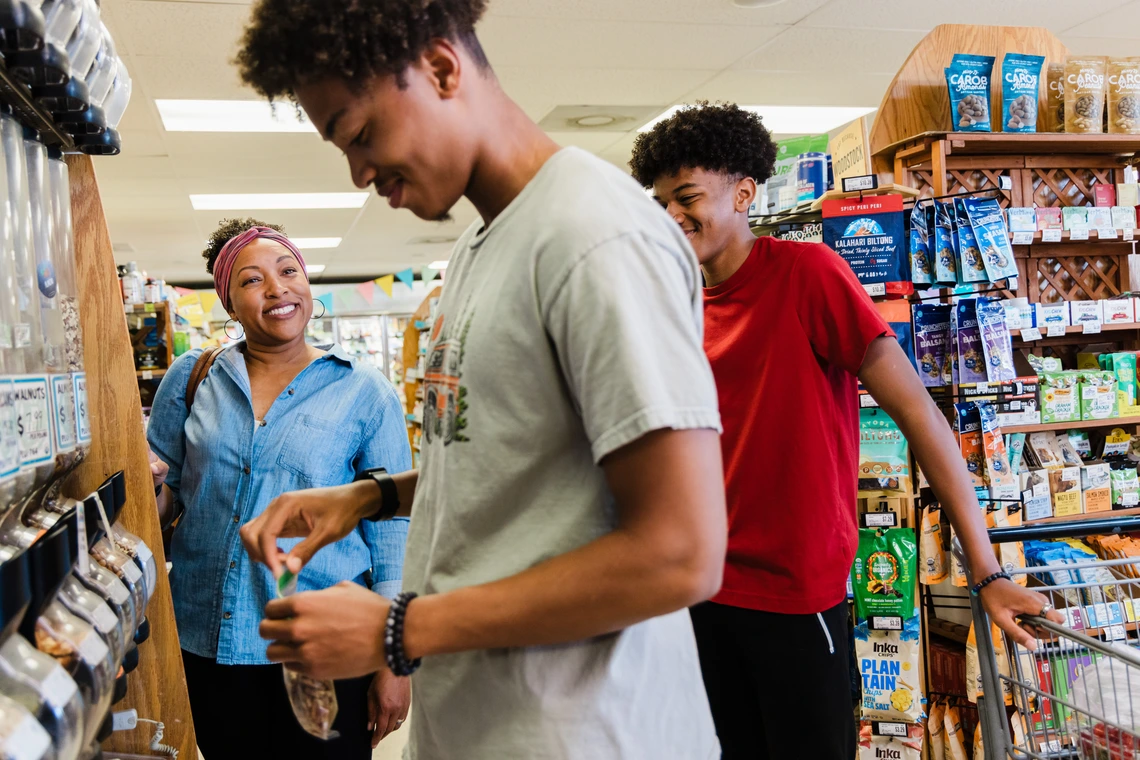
(147, 374)
(880, 519)
(82, 421)
(26, 741)
(33, 419)
(132, 573)
(1056, 331)
(876, 289)
(1116, 632)
(882, 623)
(1091, 328)
(1031, 334)
(105, 620)
(1050, 236)
(1129, 234)
(58, 688)
(148, 308)
(1130, 498)
(1107, 233)
(1078, 234)
(1023, 238)
(866, 401)
(891, 729)
(92, 649)
(982, 388)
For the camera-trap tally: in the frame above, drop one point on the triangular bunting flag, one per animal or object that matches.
(366, 289)
(429, 274)
(327, 300)
(209, 298)
(408, 277)
(385, 283)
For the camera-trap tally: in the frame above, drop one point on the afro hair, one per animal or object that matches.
(227, 230)
(290, 43)
(721, 138)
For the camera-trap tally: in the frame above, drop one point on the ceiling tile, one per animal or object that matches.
(1102, 45)
(690, 12)
(598, 86)
(195, 78)
(794, 88)
(571, 44)
(207, 30)
(1057, 15)
(819, 50)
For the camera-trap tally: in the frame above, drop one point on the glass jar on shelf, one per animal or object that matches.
(21, 735)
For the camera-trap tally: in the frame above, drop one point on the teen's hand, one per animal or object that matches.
(1004, 600)
(335, 633)
(158, 469)
(389, 698)
(320, 515)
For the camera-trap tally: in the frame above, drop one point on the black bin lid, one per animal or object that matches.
(49, 562)
(15, 593)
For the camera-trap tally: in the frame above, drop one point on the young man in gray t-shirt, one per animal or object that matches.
(570, 504)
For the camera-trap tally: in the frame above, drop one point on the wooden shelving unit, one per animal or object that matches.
(419, 323)
(1059, 427)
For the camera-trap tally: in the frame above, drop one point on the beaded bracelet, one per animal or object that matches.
(398, 662)
(977, 589)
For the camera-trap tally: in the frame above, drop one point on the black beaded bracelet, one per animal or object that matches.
(398, 662)
(977, 589)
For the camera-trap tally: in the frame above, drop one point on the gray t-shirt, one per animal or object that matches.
(568, 328)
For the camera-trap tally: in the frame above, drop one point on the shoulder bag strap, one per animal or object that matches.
(198, 374)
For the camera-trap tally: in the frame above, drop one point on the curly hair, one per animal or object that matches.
(289, 43)
(722, 138)
(227, 230)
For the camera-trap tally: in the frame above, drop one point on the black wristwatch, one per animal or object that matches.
(390, 497)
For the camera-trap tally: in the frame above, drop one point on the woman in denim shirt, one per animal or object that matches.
(273, 415)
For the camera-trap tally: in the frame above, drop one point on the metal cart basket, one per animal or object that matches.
(1078, 694)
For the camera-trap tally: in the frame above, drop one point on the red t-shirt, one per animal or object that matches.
(786, 336)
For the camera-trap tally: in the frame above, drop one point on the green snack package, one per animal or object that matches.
(884, 458)
(1015, 445)
(1124, 366)
(1098, 395)
(883, 576)
(1060, 401)
(1041, 364)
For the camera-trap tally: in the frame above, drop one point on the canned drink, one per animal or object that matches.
(811, 175)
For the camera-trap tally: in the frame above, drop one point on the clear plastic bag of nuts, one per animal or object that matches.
(313, 700)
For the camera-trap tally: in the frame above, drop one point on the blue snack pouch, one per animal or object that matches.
(993, 237)
(942, 245)
(1020, 78)
(931, 343)
(996, 342)
(973, 269)
(968, 80)
(971, 355)
(921, 267)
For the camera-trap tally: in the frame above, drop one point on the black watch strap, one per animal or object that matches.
(390, 497)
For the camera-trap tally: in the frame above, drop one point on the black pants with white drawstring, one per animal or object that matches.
(779, 685)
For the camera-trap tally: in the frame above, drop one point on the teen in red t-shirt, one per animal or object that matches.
(789, 331)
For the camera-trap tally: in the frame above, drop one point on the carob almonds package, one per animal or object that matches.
(1084, 95)
(1055, 103)
(1124, 96)
(1020, 75)
(968, 80)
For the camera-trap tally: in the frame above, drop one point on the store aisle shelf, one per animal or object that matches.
(1078, 331)
(1057, 427)
(150, 374)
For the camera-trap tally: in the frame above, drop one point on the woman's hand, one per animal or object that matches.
(158, 469)
(1005, 600)
(389, 698)
(320, 515)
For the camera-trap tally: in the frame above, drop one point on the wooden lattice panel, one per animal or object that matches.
(1078, 278)
(964, 182)
(1067, 187)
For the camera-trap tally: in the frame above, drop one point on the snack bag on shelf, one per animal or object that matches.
(1070, 454)
(936, 730)
(1041, 364)
(974, 670)
(1060, 401)
(993, 237)
(888, 664)
(971, 355)
(1125, 486)
(1079, 441)
(996, 342)
(1055, 107)
(998, 473)
(957, 569)
(884, 456)
(931, 336)
(942, 244)
(883, 575)
(1015, 445)
(1084, 95)
(932, 558)
(1043, 447)
(1065, 486)
(314, 700)
(979, 746)
(950, 371)
(1124, 367)
(1020, 75)
(921, 260)
(970, 442)
(955, 735)
(874, 745)
(972, 268)
(968, 80)
(1098, 395)
(1011, 556)
(1124, 96)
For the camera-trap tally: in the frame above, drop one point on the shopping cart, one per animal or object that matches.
(1079, 692)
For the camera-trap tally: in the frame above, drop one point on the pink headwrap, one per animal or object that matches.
(224, 264)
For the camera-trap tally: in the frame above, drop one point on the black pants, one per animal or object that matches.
(777, 686)
(243, 711)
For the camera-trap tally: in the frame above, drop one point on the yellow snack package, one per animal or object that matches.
(955, 736)
(932, 559)
(936, 730)
(979, 746)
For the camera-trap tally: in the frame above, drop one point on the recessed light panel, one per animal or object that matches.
(231, 116)
(312, 243)
(276, 201)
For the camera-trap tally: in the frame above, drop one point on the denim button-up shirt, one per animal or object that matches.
(336, 419)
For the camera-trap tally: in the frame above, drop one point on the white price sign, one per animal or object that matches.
(1023, 238)
(891, 729)
(1130, 498)
(1050, 236)
(876, 289)
(33, 419)
(1078, 234)
(1091, 328)
(1031, 334)
(1055, 331)
(1107, 233)
(1129, 234)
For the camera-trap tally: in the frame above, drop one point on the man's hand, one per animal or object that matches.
(1005, 600)
(389, 698)
(320, 515)
(158, 469)
(335, 633)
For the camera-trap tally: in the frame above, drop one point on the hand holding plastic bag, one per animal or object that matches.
(314, 701)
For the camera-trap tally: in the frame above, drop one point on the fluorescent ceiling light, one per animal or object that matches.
(438, 265)
(307, 243)
(231, 116)
(314, 268)
(276, 201)
(790, 120)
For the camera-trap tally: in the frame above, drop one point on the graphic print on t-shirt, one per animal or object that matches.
(445, 397)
